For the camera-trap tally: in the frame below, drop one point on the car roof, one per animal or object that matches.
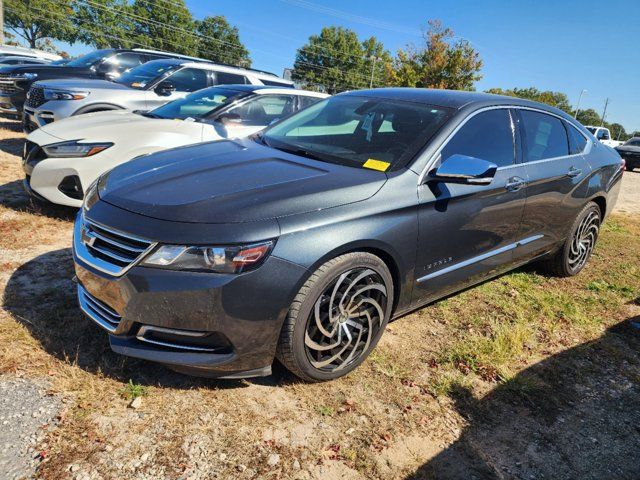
(456, 99)
(267, 89)
(209, 65)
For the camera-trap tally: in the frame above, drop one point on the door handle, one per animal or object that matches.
(574, 172)
(514, 184)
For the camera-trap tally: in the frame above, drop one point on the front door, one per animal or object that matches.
(184, 81)
(467, 232)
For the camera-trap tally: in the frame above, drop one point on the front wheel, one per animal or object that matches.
(337, 317)
(575, 252)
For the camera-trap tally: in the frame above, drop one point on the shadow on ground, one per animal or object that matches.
(14, 196)
(12, 146)
(575, 415)
(41, 295)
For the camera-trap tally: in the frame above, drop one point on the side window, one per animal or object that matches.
(304, 102)
(224, 78)
(487, 136)
(188, 79)
(124, 61)
(577, 142)
(264, 109)
(603, 134)
(544, 136)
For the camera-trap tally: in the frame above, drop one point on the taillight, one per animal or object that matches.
(623, 165)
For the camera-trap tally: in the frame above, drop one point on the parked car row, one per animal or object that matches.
(291, 225)
(109, 64)
(62, 159)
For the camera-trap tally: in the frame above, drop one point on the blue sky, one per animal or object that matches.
(563, 45)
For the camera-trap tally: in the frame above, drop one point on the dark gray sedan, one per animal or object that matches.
(302, 242)
(630, 152)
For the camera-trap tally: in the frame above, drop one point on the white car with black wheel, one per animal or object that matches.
(63, 158)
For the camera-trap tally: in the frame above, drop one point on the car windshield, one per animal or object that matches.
(359, 131)
(198, 104)
(592, 130)
(634, 142)
(140, 76)
(88, 60)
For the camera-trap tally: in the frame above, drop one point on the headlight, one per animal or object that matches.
(233, 259)
(51, 94)
(74, 149)
(91, 196)
(25, 76)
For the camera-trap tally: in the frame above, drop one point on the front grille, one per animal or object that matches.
(7, 87)
(98, 311)
(35, 97)
(108, 250)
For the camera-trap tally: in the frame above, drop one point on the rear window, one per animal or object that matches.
(577, 141)
(275, 83)
(544, 136)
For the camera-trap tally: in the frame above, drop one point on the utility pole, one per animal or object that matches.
(579, 100)
(604, 112)
(374, 59)
(1, 22)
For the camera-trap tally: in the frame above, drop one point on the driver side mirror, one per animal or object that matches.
(464, 169)
(164, 89)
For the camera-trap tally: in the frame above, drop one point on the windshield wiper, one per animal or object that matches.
(299, 151)
(260, 138)
(149, 114)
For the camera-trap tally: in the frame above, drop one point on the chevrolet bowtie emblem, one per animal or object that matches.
(87, 238)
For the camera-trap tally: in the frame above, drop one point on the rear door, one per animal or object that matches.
(468, 232)
(556, 170)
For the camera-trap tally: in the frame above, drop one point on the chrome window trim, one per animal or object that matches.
(436, 155)
(479, 258)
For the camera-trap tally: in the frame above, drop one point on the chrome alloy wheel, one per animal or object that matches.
(583, 241)
(345, 319)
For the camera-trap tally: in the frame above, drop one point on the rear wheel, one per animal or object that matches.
(575, 252)
(337, 317)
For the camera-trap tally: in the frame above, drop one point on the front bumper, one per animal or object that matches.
(215, 325)
(8, 104)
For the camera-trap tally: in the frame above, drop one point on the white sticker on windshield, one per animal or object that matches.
(189, 119)
(367, 125)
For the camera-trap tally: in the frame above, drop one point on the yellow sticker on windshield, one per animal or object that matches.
(374, 164)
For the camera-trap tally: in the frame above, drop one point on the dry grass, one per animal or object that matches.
(395, 413)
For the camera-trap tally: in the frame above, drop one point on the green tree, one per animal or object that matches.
(105, 23)
(337, 60)
(37, 20)
(589, 117)
(220, 42)
(617, 131)
(440, 63)
(555, 99)
(165, 26)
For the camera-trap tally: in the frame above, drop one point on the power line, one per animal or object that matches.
(126, 40)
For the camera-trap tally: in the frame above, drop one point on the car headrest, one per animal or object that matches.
(406, 119)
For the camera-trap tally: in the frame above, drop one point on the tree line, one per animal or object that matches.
(333, 60)
(160, 25)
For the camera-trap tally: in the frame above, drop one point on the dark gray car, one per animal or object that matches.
(630, 152)
(304, 241)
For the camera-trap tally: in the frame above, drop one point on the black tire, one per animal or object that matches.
(297, 349)
(629, 168)
(570, 259)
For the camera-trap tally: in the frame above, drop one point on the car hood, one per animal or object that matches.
(114, 125)
(82, 84)
(232, 182)
(43, 69)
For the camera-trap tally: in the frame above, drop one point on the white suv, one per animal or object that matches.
(144, 87)
(62, 159)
